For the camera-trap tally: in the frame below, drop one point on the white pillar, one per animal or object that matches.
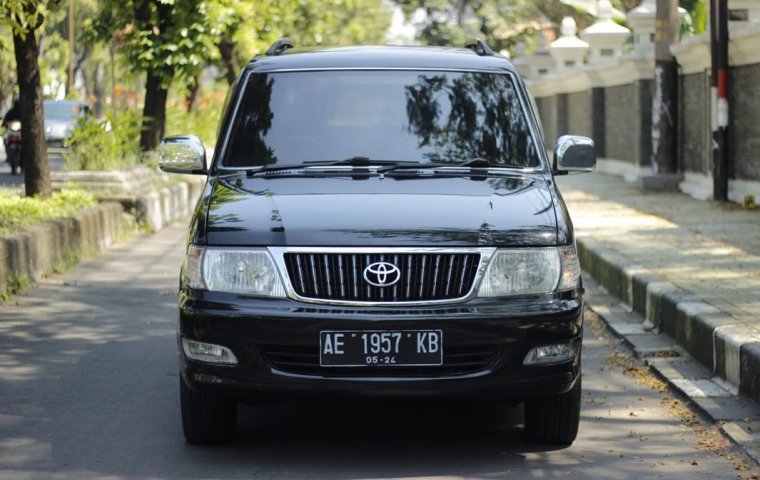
(641, 19)
(605, 37)
(520, 61)
(743, 12)
(540, 61)
(568, 50)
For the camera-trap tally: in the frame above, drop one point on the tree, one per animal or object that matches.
(25, 17)
(165, 39)
(7, 64)
(248, 28)
(502, 23)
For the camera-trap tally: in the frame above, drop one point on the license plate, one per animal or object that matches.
(380, 348)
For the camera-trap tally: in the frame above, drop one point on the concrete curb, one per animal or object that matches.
(159, 208)
(736, 416)
(36, 251)
(729, 349)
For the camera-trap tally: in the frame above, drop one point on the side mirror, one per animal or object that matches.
(182, 154)
(573, 153)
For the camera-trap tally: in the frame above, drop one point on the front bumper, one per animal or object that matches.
(57, 142)
(276, 342)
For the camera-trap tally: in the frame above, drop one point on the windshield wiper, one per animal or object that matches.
(477, 165)
(362, 164)
(358, 161)
(479, 162)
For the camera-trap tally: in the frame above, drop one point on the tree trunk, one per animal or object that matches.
(154, 112)
(157, 81)
(665, 94)
(71, 67)
(192, 92)
(33, 148)
(229, 57)
(99, 88)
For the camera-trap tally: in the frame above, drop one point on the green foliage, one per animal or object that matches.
(202, 120)
(175, 38)
(55, 61)
(7, 63)
(502, 23)
(17, 211)
(15, 283)
(23, 16)
(697, 10)
(253, 26)
(107, 144)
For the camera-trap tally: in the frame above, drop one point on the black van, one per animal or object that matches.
(380, 221)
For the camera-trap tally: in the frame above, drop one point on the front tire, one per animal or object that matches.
(207, 419)
(14, 158)
(554, 419)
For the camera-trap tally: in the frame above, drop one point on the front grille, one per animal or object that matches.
(304, 360)
(422, 277)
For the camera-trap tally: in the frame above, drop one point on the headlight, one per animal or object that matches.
(56, 130)
(530, 271)
(248, 271)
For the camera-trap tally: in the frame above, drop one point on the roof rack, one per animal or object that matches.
(480, 47)
(279, 46)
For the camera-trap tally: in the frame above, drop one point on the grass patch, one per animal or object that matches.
(16, 284)
(17, 211)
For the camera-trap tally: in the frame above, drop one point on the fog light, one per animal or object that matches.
(209, 353)
(205, 378)
(549, 354)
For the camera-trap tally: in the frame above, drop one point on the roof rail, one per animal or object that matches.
(480, 47)
(279, 46)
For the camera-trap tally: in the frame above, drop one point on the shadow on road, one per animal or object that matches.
(89, 389)
(8, 181)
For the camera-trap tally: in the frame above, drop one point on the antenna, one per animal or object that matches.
(480, 47)
(279, 46)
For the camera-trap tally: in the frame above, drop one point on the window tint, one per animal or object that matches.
(414, 116)
(63, 110)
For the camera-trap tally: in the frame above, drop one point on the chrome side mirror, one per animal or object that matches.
(182, 154)
(574, 154)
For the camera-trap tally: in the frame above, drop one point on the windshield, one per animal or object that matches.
(62, 110)
(292, 118)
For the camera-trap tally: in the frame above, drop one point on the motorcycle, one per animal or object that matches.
(12, 140)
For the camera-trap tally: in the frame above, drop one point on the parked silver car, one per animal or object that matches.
(60, 119)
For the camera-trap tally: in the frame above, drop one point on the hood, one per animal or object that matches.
(374, 211)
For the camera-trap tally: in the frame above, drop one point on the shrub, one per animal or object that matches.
(17, 211)
(202, 120)
(108, 144)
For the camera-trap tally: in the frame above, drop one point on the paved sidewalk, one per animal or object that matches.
(704, 247)
(683, 267)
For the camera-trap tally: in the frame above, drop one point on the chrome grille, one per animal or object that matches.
(423, 276)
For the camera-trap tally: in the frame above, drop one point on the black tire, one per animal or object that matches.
(14, 158)
(207, 419)
(554, 419)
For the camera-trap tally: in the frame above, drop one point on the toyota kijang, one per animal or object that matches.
(380, 221)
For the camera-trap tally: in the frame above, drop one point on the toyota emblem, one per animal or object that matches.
(382, 274)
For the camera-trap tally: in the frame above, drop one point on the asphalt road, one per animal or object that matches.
(89, 389)
(7, 180)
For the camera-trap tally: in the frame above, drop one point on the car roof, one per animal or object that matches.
(404, 57)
